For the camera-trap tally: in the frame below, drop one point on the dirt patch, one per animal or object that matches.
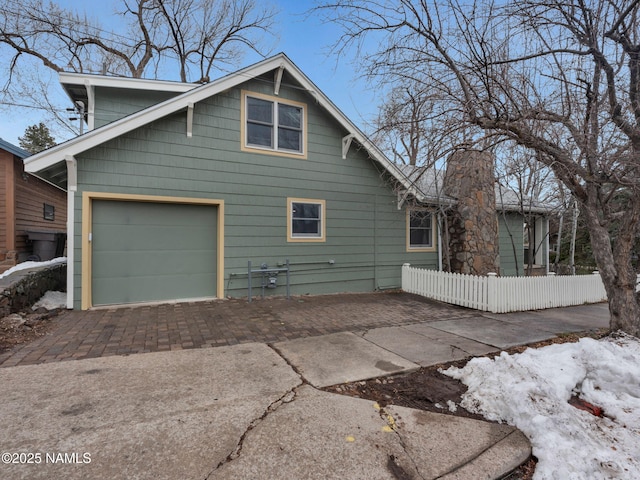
(24, 327)
(428, 389)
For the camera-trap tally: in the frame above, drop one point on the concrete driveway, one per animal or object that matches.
(173, 415)
(236, 412)
(254, 410)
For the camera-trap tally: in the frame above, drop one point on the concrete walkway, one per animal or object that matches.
(254, 410)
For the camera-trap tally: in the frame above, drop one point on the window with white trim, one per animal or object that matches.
(274, 124)
(306, 220)
(420, 229)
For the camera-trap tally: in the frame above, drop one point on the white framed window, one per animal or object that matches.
(305, 220)
(420, 230)
(273, 125)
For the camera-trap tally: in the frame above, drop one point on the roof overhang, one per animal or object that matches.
(429, 184)
(527, 209)
(77, 84)
(12, 149)
(193, 94)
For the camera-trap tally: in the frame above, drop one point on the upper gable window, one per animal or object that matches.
(273, 125)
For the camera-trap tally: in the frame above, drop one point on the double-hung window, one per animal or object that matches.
(272, 124)
(306, 220)
(420, 230)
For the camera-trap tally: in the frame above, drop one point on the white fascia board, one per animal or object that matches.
(544, 209)
(353, 130)
(113, 130)
(110, 131)
(82, 79)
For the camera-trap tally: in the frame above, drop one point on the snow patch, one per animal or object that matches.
(51, 300)
(28, 265)
(531, 391)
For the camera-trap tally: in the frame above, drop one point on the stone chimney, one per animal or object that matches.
(473, 222)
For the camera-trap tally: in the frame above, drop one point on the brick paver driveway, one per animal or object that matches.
(123, 331)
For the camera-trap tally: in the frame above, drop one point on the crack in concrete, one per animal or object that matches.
(362, 333)
(288, 397)
(455, 347)
(471, 460)
(291, 365)
(394, 467)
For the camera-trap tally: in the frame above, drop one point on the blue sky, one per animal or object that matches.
(306, 40)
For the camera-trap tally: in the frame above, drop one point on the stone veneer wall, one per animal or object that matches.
(473, 223)
(23, 289)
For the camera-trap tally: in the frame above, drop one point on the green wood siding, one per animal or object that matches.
(510, 226)
(112, 104)
(365, 232)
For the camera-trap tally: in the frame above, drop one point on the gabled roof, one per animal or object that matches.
(11, 148)
(77, 145)
(429, 183)
(77, 85)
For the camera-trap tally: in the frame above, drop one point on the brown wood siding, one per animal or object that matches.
(31, 194)
(6, 203)
(5, 158)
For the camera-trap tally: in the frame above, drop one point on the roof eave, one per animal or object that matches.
(83, 79)
(21, 153)
(112, 130)
(527, 210)
(107, 132)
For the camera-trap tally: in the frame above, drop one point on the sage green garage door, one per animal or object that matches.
(148, 251)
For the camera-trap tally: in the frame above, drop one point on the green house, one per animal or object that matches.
(177, 188)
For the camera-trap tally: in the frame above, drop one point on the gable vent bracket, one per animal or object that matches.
(190, 120)
(277, 80)
(91, 100)
(346, 143)
(402, 197)
(72, 173)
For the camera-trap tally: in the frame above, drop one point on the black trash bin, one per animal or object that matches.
(46, 244)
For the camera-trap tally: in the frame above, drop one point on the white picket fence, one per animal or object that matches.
(503, 294)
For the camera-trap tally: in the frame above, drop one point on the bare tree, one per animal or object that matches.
(64, 40)
(561, 78)
(31, 90)
(195, 33)
(528, 185)
(203, 32)
(411, 129)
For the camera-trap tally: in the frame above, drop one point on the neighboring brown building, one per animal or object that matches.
(29, 208)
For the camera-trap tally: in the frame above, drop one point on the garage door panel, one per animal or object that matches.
(146, 213)
(143, 289)
(136, 238)
(146, 251)
(144, 264)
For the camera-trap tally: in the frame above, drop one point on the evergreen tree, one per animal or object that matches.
(36, 138)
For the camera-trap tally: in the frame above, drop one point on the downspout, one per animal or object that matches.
(72, 187)
(574, 229)
(438, 223)
(546, 224)
(91, 107)
(375, 242)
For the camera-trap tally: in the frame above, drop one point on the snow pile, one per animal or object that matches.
(531, 391)
(27, 265)
(51, 300)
